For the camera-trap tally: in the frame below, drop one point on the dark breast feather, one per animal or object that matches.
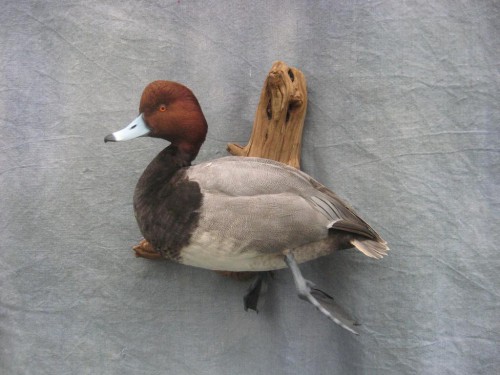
(167, 204)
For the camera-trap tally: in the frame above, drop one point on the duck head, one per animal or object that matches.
(170, 111)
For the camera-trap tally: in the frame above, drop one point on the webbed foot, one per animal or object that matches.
(255, 296)
(319, 299)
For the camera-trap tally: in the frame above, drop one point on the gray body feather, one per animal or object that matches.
(255, 206)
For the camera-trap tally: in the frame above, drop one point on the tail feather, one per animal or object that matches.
(371, 248)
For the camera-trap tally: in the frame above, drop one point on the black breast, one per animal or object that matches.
(167, 204)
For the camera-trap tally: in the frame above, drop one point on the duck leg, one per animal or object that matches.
(322, 301)
(255, 296)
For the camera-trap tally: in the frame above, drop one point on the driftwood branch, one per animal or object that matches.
(279, 120)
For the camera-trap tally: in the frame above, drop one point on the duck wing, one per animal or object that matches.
(279, 206)
(369, 242)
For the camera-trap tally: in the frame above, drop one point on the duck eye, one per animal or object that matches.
(163, 108)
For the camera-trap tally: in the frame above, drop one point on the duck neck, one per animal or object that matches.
(184, 152)
(160, 171)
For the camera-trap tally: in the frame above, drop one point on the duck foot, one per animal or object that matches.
(319, 299)
(145, 250)
(255, 296)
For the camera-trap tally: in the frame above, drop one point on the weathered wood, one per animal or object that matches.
(145, 250)
(279, 119)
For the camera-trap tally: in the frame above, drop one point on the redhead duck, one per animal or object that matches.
(235, 213)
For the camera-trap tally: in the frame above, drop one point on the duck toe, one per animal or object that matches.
(255, 297)
(319, 299)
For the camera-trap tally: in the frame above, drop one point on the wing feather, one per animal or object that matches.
(242, 178)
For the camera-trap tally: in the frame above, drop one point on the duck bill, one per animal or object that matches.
(136, 128)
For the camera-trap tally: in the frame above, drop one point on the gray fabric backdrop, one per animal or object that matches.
(403, 122)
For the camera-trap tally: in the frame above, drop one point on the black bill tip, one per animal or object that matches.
(109, 138)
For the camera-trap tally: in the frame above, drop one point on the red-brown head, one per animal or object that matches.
(170, 111)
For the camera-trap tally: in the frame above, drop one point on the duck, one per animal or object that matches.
(235, 213)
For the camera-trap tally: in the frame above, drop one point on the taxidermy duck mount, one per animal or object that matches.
(236, 213)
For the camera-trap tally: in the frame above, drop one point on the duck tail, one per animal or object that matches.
(372, 248)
